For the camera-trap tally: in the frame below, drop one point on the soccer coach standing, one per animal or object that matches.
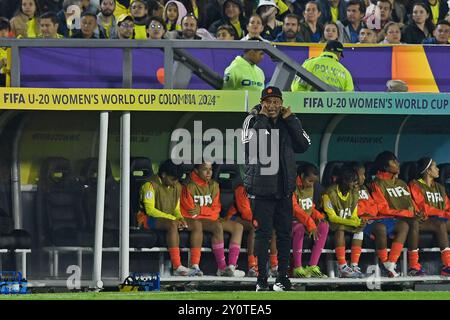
(271, 194)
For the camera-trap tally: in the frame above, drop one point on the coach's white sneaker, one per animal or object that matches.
(181, 271)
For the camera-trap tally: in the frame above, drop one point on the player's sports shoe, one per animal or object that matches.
(262, 285)
(230, 271)
(390, 267)
(195, 271)
(315, 272)
(445, 272)
(346, 272)
(273, 272)
(282, 284)
(357, 271)
(416, 272)
(181, 271)
(252, 272)
(301, 272)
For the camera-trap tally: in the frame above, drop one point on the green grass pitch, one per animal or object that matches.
(237, 295)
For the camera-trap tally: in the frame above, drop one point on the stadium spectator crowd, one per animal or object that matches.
(301, 21)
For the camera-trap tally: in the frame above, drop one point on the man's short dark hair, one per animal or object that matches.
(170, 169)
(386, 1)
(227, 27)
(382, 160)
(4, 24)
(444, 22)
(292, 16)
(314, 3)
(50, 15)
(89, 14)
(159, 19)
(362, 6)
(189, 15)
(101, 1)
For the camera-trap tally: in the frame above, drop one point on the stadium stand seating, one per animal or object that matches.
(444, 176)
(408, 171)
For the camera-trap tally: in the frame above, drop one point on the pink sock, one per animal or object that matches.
(219, 254)
(233, 253)
(322, 228)
(298, 232)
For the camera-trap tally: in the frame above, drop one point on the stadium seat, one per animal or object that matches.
(185, 171)
(330, 172)
(370, 171)
(89, 199)
(140, 171)
(228, 176)
(408, 171)
(60, 216)
(444, 176)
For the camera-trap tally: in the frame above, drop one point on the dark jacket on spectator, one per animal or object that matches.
(225, 20)
(292, 139)
(306, 32)
(345, 32)
(50, 5)
(281, 37)
(432, 41)
(413, 35)
(443, 8)
(270, 34)
(208, 11)
(326, 10)
(399, 12)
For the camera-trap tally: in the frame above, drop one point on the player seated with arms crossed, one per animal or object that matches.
(200, 202)
(431, 199)
(340, 202)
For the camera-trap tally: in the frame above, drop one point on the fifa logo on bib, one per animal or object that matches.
(203, 200)
(306, 203)
(397, 192)
(344, 214)
(363, 195)
(434, 197)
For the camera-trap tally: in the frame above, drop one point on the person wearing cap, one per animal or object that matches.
(270, 191)
(243, 73)
(396, 86)
(268, 10)
(327, 68)
(233, 15)
(125, 27)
